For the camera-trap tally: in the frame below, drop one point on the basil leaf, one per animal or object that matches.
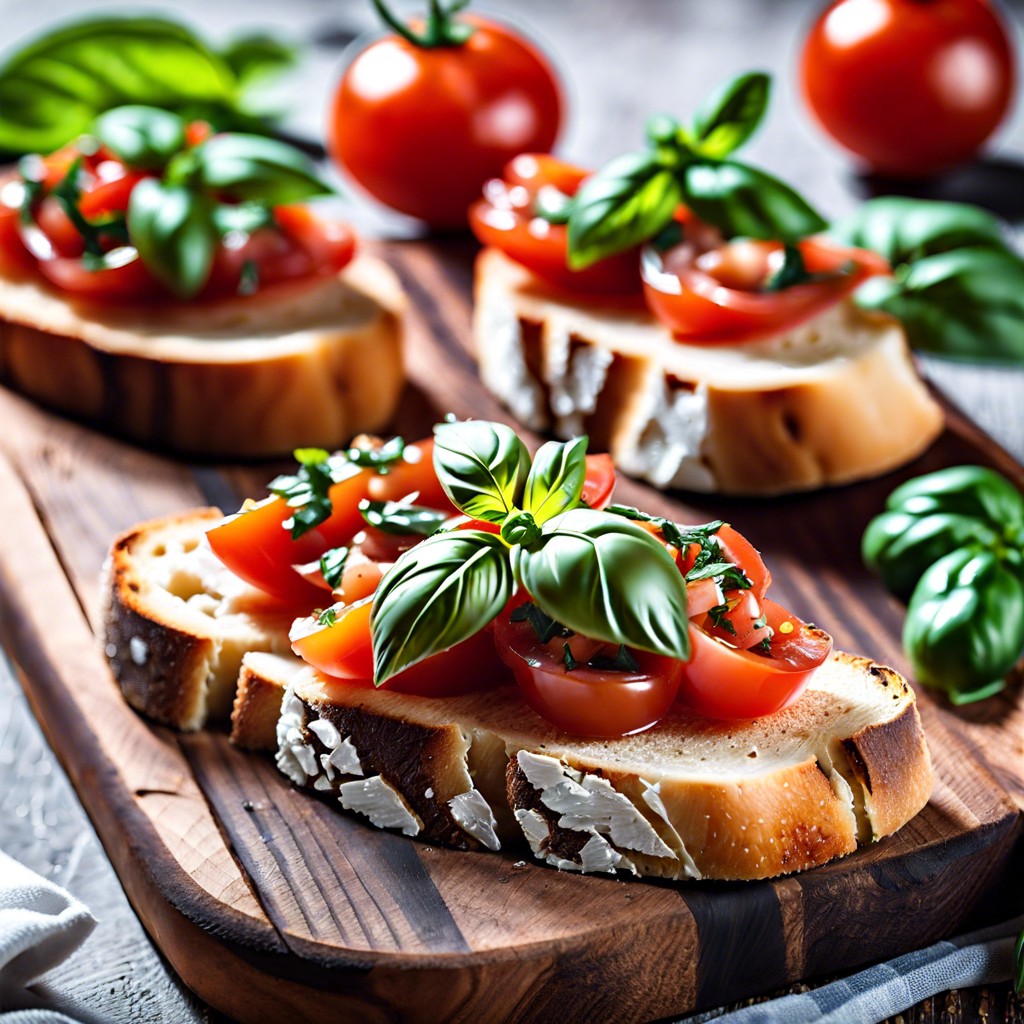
(556, 479)
(963, 304)
(904, 230)
(257, 56)
(438, 594)
(143, 137)
(623, 661)
(332, 565)
(609, 580)
(543, 625)
(246, 217)
(1018, 965)
(625, 203)
(307, 490)
(732, 114)
(381, 459)
(975, 491)
(253, 167)
(172, 228)
(964, 629)
(743, 201)
(52, 89)
(394, 517)
(481, 466)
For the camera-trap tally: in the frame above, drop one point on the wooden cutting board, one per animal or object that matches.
(271, 905)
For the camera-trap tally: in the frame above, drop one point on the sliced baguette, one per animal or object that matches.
(307, 364)
(835, 400)
(689, 798)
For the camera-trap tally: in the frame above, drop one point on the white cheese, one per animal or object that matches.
(587, 803)
(294, 757)
(575, 378)
(598, 854)
(381, 803)
(474, 814)
(652, 797)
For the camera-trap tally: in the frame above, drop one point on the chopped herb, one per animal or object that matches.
(249, 278)
(552, 205)
(570, 661)
(394, 517)
(543, 625)
(332, 565)
(328, 617)
(622, 662)
(306, 491)
(68, 193)
(761, 622)
(380, 459)
(764, 647)
(717, 615)
(731, 576)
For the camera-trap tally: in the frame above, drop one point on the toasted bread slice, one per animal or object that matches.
(689, 798)
(834, 400)
(306, 364)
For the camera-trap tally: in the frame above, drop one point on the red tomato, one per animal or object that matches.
(911, 88)
(344, 650)
(721, 681)
(422, 128)
(505, 219)
(600, 480)
(586, 701)
(696, 295)
(414, 472)
(255, 545)
(14, 257)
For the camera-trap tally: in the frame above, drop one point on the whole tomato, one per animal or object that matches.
(912, 87)
(424, 116)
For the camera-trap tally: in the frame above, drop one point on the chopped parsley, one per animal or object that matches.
(718, 614)
(328, 617)
(332, 565)
(570, 661)
(764, 647)
(623, 661)
(543, 625)
(307, 491)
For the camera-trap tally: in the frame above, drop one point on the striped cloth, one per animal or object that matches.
(981, 958)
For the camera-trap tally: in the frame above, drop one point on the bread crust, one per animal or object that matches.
(308, 364)
(837, 400)
(846, 764)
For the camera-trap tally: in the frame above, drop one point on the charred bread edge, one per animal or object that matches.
(762, 440)
(162, 668)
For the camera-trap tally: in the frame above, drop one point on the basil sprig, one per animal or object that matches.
(957, 286)
(954, 541)
(588, 570)
(53, 88)
(176, 221)
(634, 198)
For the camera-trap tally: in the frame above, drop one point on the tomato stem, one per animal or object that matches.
(441, 29)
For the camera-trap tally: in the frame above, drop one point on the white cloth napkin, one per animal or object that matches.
(40, 925)
(980, 958)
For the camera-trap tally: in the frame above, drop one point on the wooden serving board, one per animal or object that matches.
(271, 905)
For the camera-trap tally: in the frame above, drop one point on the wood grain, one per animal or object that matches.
(232, 871)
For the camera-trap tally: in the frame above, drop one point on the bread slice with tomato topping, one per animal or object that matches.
(689, 798)
(833, 400)
(307, 363)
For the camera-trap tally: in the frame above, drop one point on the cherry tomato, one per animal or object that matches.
(721, 681)
(344, 650)
(600, 480)
(14, 257)
(911, 88)
(586, 701)
(422, 128)
(413, 473)
(713, 297)
(505, 219)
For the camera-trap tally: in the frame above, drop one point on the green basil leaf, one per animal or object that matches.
(394, 517)
(556, 479)
(964, 304)
(245, 217)
(975, 491)
(144, 137)
(481, 466)
(257, 56)
(53, 89)
(900, 546)
(1018, 965)
(732, 114)
(332, 565)
(964, 629)
(743, 201)
(543, 625)
(625, 203)
(253, 167)
(172, 228)
(905, 230)
(609, 580)
(381, 459)
(438, 594)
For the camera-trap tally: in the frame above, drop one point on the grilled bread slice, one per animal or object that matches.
(834, 400)
(689, 798)
(305, 364)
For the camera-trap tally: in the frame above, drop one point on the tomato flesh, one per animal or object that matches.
(684, 291)
(421, 129)
(585, 701)
(721, 681)
(505, 219)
